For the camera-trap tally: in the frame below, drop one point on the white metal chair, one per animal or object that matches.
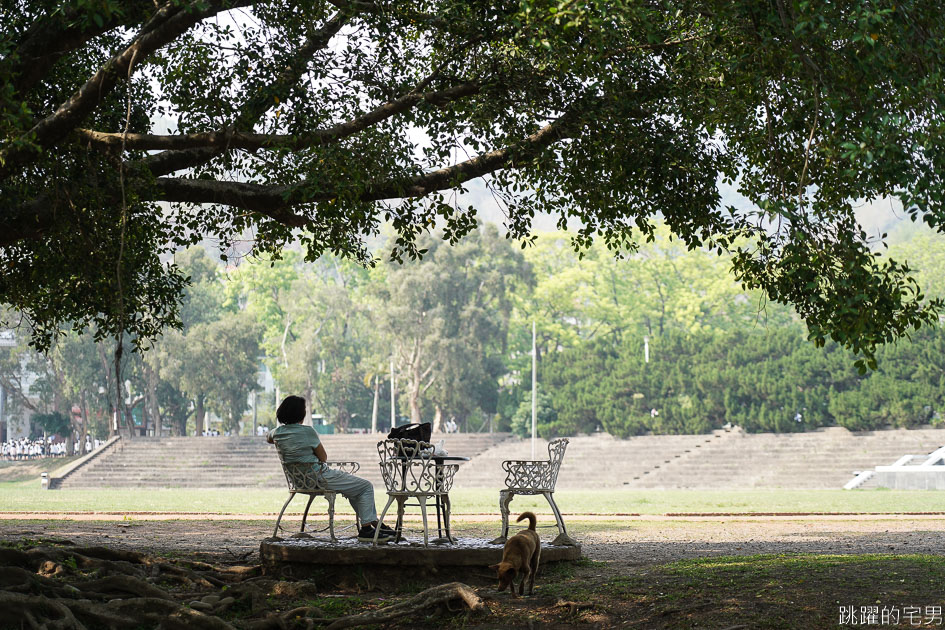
(302, 479)
(529, 477)
(410, 470)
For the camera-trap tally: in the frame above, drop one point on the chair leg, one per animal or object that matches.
(400, 518)
(380, 521)
(505, 497)
(330, 497)
(423, 513)
(563, 538)
(275, 532)
(311, 498)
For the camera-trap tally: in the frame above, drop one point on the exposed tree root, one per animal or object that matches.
(574, 607)
(95, 588)
(123, 585)
(438, 595)
(38, 613)
(48, 588)
(303, 617)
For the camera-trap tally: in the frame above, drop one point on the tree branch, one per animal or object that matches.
(254, 108)
(167, 24)
(32, 59)
(373, 8)
(231, 139)
(17, 390)
(273, 201)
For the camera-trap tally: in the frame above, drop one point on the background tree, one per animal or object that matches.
(14, 377)
(84, 381)
(448, 317)
(173, 355)
(52, 423)
(231, 349)
(717, 361)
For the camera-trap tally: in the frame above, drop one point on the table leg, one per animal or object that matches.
(442, 506)
(439, 478)
(447, 508)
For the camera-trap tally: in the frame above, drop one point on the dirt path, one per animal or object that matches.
(627, 541)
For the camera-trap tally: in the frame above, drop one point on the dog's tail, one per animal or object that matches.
(531, 519)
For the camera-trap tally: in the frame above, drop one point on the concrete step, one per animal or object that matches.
(824, 458)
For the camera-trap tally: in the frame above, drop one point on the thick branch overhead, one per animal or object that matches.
(168, 23)
(270, 199)
(225, 140)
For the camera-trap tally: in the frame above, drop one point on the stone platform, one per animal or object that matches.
(298, 556)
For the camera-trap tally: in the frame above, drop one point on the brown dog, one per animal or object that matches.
(521, 555)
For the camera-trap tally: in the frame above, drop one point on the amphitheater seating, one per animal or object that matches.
(825, 458)
(235, 462)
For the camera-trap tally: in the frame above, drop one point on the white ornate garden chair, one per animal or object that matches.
(411, 472)
(530, 477)
(302, 479)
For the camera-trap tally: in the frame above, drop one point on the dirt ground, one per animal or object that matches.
(628, 541)
(736, 571)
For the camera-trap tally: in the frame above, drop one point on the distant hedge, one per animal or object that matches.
(760, 380)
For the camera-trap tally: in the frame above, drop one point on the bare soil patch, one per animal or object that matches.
(751, 572)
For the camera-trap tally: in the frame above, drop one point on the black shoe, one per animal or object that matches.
(366, 534)
(387, 530)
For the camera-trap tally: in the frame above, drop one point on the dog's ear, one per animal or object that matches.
(494, 567)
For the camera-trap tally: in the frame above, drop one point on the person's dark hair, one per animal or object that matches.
(291, 410)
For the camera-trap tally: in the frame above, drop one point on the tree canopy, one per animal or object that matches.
(130, 129)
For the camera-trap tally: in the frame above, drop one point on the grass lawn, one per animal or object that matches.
(29, 471)
(26, 496)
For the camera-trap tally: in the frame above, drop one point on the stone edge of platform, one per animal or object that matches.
(396, 555)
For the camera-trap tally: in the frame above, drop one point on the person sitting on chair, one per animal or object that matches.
(298, 443)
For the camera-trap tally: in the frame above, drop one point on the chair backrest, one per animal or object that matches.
(301, 477)
(556, 449)
(408, 467)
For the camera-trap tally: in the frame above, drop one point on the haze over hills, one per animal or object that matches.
(876, 218)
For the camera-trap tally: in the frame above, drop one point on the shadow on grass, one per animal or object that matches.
(761, 591)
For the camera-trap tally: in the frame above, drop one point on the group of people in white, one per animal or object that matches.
(25, 448)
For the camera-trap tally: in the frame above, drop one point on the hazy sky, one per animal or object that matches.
(876, 217)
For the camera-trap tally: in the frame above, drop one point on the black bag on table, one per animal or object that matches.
(419, 432)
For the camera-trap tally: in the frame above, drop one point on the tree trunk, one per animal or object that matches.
(199, 416)
(124, 411)
(150, 398)
(413, 392)
(75, 428)
(377, 391)
(84, 410)
(112, 428)
(437, 419)
(310, 406)
(413, 398)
